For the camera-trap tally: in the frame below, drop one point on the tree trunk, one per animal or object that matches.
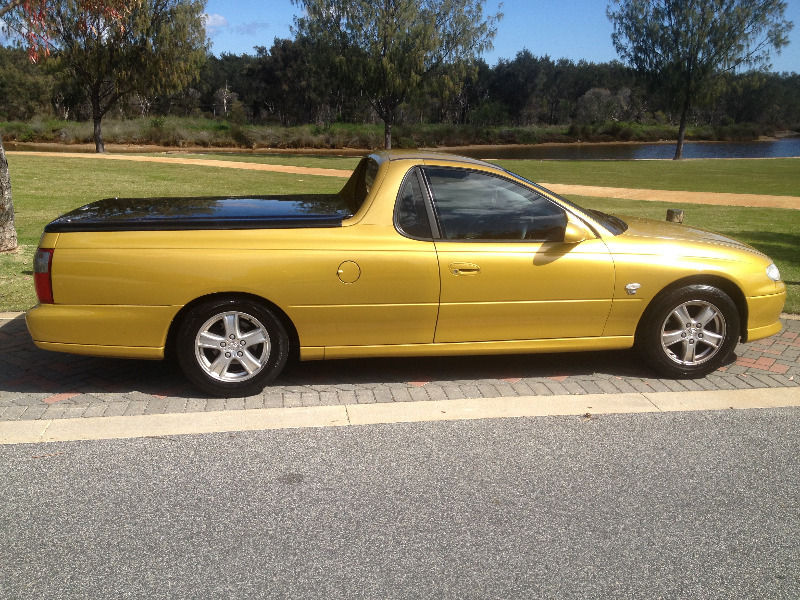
(8, 233)
(97, 117)
(682, 128)
(387, 134)
(99, 146)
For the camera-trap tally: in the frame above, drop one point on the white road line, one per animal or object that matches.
(105, 428)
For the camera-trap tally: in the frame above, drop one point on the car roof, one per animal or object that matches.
(423, 155)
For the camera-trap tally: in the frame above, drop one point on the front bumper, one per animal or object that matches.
(764, 315)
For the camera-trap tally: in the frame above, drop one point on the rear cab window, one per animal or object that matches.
(358, 187)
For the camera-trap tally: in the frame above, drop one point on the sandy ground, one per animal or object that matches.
(201, 162)
(725, 199)
(721, 198)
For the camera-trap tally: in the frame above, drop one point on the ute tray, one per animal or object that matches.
(212, 212)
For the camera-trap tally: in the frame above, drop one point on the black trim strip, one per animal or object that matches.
(193, 224)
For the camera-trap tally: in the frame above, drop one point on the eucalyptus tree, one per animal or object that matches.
(8, 233)
(158, 49)
(682, 45)
(30, 20)
(388, 49)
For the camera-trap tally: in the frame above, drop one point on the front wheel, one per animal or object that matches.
(689, 331)
(231, 347)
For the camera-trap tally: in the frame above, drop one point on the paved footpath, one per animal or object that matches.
(36, 384)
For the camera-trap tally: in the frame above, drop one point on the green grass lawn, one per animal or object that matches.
(779, 177)
(45, 187)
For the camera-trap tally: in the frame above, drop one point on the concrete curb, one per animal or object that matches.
(587, 406)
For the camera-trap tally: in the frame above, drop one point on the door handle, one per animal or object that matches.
(464, 268)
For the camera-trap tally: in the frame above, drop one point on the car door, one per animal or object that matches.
(506, 272)
(377, 282)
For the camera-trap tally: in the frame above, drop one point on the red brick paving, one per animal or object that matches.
(42, 383)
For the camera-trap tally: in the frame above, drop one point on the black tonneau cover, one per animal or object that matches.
(173, 214)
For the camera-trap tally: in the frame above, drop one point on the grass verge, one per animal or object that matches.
(45, 187)
(775, 177)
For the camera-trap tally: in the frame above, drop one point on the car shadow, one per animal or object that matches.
(464, 368)
(25, 369)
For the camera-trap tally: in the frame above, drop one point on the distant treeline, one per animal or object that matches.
(281, 86)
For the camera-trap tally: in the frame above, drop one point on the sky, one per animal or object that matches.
(575, 29)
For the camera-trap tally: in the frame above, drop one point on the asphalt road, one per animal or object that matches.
(669, 505)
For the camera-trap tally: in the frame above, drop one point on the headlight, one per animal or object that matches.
(773, 272)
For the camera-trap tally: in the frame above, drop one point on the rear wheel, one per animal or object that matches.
(689, 331)
(231, 347)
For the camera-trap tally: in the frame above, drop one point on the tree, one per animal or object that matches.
(23, 92)
(30, 19)
(516, 83)
(599, 105)
(158, 50)
(298, 82)
(389, 48)
(229, 72)
(8, 233)
(25, 88)
(682, 45)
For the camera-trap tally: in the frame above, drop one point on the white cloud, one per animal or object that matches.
(251, 28)
(215, 23)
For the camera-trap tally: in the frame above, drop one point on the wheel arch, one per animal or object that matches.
(726, 285)
(175, 325)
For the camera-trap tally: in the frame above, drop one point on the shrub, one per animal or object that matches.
(17, 131)
(241, 136)
(209, 132)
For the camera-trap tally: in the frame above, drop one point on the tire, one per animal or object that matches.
(689, 332)
(231, 347)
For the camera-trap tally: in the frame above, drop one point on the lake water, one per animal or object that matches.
(786, 147)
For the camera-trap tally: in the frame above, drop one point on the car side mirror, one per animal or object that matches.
(575, 233)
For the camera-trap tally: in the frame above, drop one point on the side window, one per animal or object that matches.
(411, 216)
(478, 206)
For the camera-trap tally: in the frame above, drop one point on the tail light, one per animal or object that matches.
(42, 263)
